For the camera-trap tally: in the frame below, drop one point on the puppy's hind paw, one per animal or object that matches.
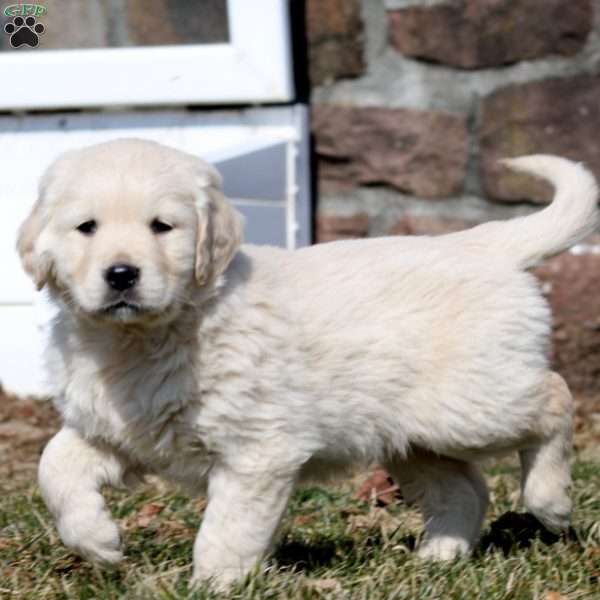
(442, 548)
(554, 515)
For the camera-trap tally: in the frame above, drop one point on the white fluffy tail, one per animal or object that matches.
(572, 215)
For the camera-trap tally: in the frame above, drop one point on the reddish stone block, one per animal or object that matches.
(474, 34)
(554, 116)
(417, 152)
(335, 39)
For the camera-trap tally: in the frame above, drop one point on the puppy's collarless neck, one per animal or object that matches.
(148, 337)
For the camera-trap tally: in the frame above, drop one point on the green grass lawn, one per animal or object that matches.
(332, 546)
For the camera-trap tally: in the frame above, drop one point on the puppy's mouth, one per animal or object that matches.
(122, 308)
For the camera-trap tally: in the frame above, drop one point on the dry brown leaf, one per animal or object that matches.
(145, 516)
(380, 488)
(555, 596)
(148, 512)
(305, 519)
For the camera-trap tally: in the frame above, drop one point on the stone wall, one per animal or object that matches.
(415, 100)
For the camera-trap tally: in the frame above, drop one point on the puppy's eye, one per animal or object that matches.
(159, 226)
(87, 227)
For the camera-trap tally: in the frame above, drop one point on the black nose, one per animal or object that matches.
(121, 277)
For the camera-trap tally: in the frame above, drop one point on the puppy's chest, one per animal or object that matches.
(148, 412)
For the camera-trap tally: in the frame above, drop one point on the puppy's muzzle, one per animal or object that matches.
(121, 277)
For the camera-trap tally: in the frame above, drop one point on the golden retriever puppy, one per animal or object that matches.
(245, 369)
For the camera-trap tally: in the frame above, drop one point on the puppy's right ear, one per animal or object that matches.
(36, 264)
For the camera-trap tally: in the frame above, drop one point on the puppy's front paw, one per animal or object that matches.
(91, 534)
(441, 548)
(218, 580)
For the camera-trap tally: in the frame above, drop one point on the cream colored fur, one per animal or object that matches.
(243, 371)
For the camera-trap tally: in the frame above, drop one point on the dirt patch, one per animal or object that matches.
(26, 424)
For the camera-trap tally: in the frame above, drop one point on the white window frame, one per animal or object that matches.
(255, 66)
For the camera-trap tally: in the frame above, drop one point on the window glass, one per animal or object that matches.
(72, 24)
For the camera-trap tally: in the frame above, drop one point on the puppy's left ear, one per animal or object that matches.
(220, 228)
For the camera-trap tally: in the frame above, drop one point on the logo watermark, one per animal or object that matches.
(24, 29)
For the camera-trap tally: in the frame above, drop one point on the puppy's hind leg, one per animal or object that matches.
(453, 498)
(545, 468)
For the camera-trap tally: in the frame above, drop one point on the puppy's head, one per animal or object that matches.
(125, 230)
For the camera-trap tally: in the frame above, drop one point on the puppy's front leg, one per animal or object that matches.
(242, 516)
(71, 473)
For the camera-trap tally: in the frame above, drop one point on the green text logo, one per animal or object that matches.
(24, 10)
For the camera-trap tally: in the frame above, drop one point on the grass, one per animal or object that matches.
(332, 546)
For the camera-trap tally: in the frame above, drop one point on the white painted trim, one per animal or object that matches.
(254, 67)
(291, 194)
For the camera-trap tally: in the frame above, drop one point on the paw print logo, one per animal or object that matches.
(24, 32)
